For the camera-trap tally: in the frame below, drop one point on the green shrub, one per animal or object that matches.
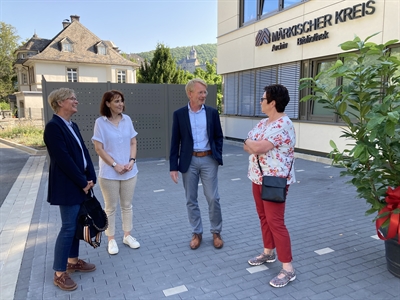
(4, 106)
(26, 135)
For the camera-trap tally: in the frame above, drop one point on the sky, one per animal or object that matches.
(134, 26)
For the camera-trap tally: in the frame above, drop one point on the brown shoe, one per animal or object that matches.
(80, 266)
(64, 282)
(218, 242)
(196, 241)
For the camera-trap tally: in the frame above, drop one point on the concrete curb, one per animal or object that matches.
(29, 150)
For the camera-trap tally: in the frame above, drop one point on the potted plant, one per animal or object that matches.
(366, 99)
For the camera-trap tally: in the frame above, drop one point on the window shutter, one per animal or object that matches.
(264, 77)
(246, 92)
(230, 99)
(289, 76)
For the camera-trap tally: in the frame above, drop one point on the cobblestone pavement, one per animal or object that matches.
(335, 249)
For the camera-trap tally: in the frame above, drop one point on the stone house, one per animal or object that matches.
(75, 54)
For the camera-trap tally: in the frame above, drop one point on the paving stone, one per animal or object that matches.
(316, 219)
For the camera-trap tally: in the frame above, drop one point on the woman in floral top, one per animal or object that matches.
(272, 141)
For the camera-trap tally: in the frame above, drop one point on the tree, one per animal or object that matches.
(8, 45)
(161, 69)
(182, 76)
(211, 77)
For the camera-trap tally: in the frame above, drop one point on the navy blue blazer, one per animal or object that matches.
(67, 176)
(182, 143)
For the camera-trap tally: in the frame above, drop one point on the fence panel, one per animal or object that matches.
(150, 107)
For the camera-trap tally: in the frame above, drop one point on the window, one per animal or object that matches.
(121, 76)
(72, 75)
(31, 75)
(311, 110)
(395, 52)
(66, 47)
(243, 90)
(24, 78)
(249, 10)
(252, 10)
(101, 50)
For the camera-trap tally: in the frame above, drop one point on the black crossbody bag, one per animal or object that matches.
(273, 188)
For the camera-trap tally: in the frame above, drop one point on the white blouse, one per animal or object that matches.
(116, 142)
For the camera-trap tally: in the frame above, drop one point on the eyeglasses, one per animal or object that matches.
(72, 98)
(205, 93)
(262, 99)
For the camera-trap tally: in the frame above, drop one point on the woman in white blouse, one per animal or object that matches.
(115, 142)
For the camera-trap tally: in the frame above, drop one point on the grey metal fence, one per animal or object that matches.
(150, 107)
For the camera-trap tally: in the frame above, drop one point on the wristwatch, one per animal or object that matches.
(134, 159)
(113, 164)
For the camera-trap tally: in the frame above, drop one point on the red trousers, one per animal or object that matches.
(273, 228)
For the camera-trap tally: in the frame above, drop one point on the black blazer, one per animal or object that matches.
(182, 139)
(67, 176)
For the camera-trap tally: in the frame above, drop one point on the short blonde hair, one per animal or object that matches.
(59, 95)
(189, 86)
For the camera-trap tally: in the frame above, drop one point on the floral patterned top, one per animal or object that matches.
(278, 160)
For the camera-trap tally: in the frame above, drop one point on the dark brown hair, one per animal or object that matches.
(108, 97)
(280, 94)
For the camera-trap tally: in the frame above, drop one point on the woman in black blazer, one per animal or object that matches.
(71, 175)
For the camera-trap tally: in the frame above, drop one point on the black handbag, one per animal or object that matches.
(91, 221)
(273, 189)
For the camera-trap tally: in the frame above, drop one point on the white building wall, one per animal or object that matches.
(236, 46)
(236, 52)
(309, 136)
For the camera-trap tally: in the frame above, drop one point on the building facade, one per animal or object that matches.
(264, 42)
(75, 54)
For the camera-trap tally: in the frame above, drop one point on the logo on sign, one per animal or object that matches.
(263, 37)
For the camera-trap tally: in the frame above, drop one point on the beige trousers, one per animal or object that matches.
(114, 191)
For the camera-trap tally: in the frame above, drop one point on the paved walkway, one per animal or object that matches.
(336, 252)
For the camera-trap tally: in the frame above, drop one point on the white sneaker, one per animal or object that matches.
(131, 242)
(113, 247)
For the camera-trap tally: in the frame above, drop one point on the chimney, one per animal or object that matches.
(74, 18)
(65, 23)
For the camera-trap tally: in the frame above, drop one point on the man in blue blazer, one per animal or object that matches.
(71, 176)
(196, 152)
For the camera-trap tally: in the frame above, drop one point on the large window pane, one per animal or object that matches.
(268, 6)
(249, 10)
(330, 83)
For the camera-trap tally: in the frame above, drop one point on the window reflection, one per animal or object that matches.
(287, 3)
(249, 10)
(252, 10)
(269, 6)
(319, 108)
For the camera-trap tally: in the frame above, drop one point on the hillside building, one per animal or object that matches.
(190, 62)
